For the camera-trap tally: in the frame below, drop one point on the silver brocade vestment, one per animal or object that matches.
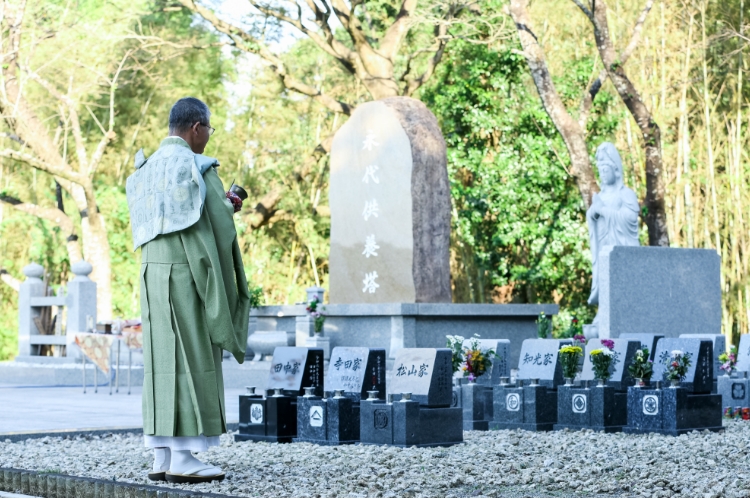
(166, 193)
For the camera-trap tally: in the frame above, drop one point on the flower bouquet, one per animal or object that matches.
(601, 359)
(677, 366)
(641, 368)
(319, 317)
(729, 361)
(569, 356)
(477, 361)
(456, 344)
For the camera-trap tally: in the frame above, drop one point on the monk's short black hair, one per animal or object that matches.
(186, 112)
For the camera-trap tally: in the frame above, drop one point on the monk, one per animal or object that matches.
(194, 296)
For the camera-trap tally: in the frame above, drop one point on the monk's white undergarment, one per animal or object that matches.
(200, 443)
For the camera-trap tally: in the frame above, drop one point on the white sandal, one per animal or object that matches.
(190, 475)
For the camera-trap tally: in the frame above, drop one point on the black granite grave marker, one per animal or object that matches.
(423, 416)
(672, 411)
(622, 356)
(272, 417)
(354, 373)
(531, 404)
(594, 407)
(647, 340)
(699, 376)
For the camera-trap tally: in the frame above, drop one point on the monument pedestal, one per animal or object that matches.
(532, 408)
(475, 402)
(735, 392)
(327, 421)
(407, 424)
(598, 408)
(394, 326)
(267, 419)
(672, 411)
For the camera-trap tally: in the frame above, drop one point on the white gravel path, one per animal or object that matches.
(495, 463)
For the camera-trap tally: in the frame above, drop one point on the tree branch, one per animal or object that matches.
(245, 42)
(396, 32)
(11, 281)
(593, 90)
(58, 171)
(568, 128)
(75, 124)
(53, 215)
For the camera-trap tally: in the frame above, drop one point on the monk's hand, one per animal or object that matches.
(235, 200)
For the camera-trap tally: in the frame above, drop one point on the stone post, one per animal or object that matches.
(32, 287)
(81, 302)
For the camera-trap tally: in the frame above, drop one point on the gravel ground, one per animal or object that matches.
(510, 463)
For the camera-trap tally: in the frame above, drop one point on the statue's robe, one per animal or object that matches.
(194, 303)
(616, 226)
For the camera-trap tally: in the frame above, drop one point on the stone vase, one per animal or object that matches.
(641, 382)
(674, 383)
(568, 381)
(601, 382)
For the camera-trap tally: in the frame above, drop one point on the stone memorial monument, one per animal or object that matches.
(272, 416)
(719, 347)
(390, 206)
(743, 354)
(353, 374)
(648, 340)
(675, 410)
(600, 407)
(530, 404)
(475, 398)
(612, 217)
(734, 390)
(649, 289)
(422, 415)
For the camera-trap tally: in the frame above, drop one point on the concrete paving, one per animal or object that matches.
(51, 408)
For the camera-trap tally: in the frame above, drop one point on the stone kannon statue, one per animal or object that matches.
(613, 215)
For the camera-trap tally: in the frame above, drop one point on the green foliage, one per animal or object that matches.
(519, 225)
(256, 296)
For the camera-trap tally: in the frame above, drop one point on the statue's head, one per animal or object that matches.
(609, 164)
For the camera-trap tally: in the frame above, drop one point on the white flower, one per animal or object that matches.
(606, 351)
(677, 353)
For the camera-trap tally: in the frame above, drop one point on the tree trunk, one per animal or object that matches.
(655, 216)
(569, 129)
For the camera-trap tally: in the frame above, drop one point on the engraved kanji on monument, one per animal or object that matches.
(500, 361)
(539, 360)
(425, 373)
(294, 368)
(357, 370)
(390, 206)
(699, 377)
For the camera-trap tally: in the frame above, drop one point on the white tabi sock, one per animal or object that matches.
(184, 461)
(162, 458)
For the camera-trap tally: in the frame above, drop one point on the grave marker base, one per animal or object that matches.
(407, 424)
(735, 392)
(598, 408)
(271, 419)
(672, 411)
(475, 401)
(327, 421)
(532, 408)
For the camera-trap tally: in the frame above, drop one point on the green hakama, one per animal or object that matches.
(194, 303)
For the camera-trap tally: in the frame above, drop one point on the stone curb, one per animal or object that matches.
(39, 484)
(21, 436)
